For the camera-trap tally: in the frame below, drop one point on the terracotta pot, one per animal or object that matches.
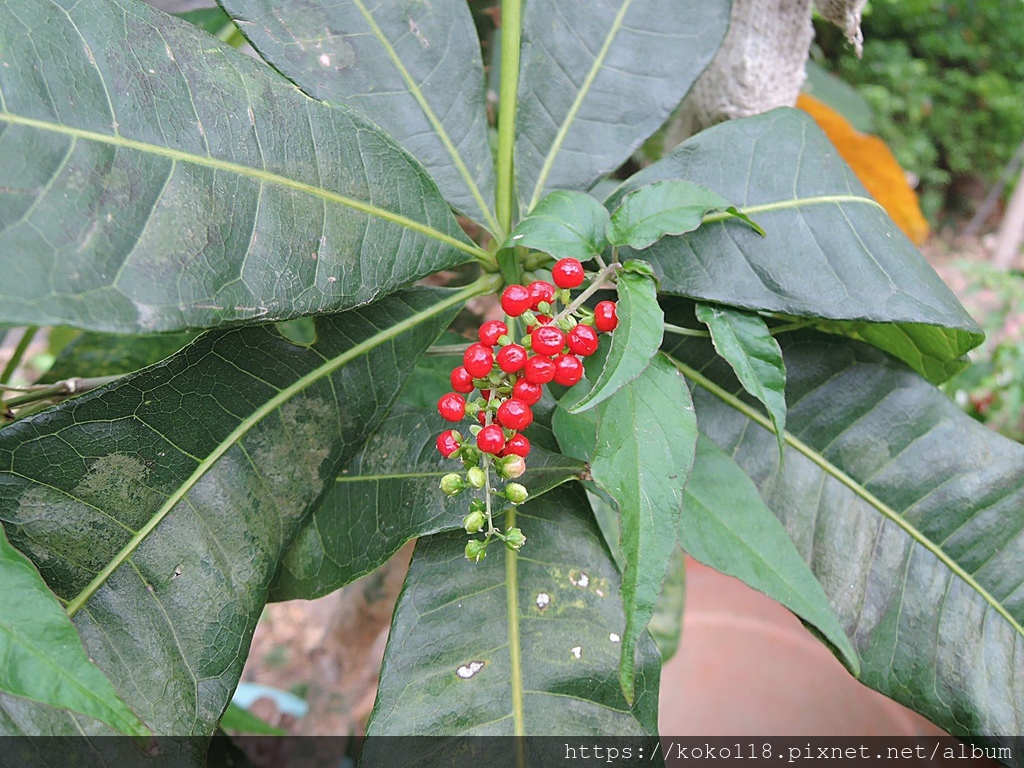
(747, 667)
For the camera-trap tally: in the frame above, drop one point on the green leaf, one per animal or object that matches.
(517, 644)
(387, 495)
(211, 20)
(831, 251)
(192, 185)
(563, 224)
(670, 207)
(635, 340)
(909, 514)
(726, 525)
(159, 507)
(107, 354)
(646, 435)
(598, 79)
(414, 69)
(743, 339)
(666, 627)
(43, 657)
(243, 721)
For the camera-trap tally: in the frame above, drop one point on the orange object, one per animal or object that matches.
(874, 164)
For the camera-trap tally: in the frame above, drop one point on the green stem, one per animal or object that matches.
(796, 325)
(440, 350)
(19, 353)
(60, 389)
(601, 280)
(511, 31)
(514, 652)
(678, 330)
(836, 473)
(483, 285)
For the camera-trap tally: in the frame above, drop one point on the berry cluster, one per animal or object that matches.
(509, 379)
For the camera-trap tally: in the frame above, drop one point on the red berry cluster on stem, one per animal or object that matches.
(509, 378)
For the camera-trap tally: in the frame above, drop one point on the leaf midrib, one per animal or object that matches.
(428, 112)
(588, 82)
(271, 405)
(835, 472)
(264, 176)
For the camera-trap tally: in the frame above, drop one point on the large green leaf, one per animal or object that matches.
(413, 68)
(830, 250)
(522, 644)
(42, 655)
(726, 524)
(159, 506)
(387, 495)
(598, 78)
(908, 512)
(646, 436)
(563, 224)
(152, 178)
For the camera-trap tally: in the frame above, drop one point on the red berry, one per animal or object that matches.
(491, 330)
(527, 391)
(605, 318)
(568, 370)
(447, 444)
(539, 370)
(491, 439)
(567, 273)
(515, 300)
(511, 358)
(478, 360)
(462, 380)
(452, 406)
(541, 291)
(548, 340)
(518, 445)
(485, 394)
(582, 340)
(515, 414)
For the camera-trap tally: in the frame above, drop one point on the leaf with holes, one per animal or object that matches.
(180, 488)
(241, 200)
(908, 512)
(516, 644)
(830, 252)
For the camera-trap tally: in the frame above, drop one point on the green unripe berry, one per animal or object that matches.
(516, 493)
(452, 484)
(529, 318)
(477, 477)
(474, 522)
(477, 505)
(476, 550)
(514, 539)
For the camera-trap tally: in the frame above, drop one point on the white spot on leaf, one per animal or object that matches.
(579, 579)
(576, 651)
(614, 638)
(325, 60)
(543, 600)
(467, 671)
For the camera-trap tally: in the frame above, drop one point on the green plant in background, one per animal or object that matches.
(946, 81)
(154, 180)
(991, 389)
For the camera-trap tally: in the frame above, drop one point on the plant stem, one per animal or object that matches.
(600, 281)
(73, 386)
(19, 353)
(511, 31)
(439, 350)
(678, 330)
